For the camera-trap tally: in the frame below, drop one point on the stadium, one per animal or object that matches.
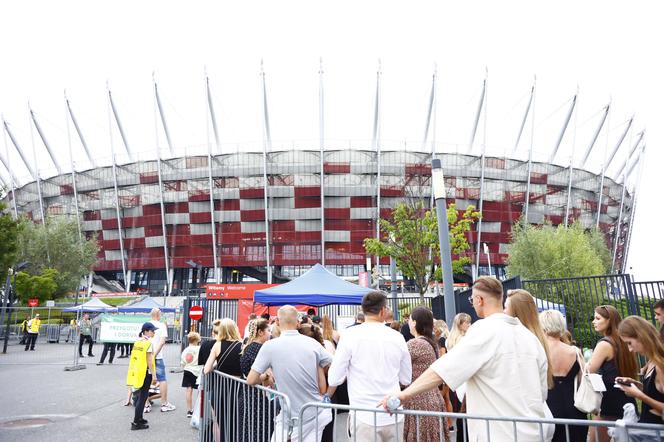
(166, 224)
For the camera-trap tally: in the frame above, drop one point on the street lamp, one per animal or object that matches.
(438, 188)
(488, 258)
(7, 300)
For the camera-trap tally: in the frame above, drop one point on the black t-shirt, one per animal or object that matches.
(204, 351)
(405, 331)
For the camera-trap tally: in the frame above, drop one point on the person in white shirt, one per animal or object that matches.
(375, 361)
(502, 364)
(158, 342)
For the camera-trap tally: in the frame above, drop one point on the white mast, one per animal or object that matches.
(267, 145)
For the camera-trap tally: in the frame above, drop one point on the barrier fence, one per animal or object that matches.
(58, 342)
(232, 410)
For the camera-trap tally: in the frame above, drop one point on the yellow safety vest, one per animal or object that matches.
(34, 326)
(138, 364)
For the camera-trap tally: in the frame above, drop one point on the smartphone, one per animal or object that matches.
(624, 381)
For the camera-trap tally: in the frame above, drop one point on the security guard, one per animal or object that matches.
(33, 332)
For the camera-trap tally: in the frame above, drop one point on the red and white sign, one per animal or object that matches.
(33, 302)
(234, 291)
(196, 312)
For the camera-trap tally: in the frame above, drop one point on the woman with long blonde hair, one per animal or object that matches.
(521, 305)
(642, 337)
(225, 357)
(460, 326)
(330, 335)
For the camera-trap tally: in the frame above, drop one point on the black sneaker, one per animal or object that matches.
(190, 413)
(90, 355)
(139, 426)
(143, 421)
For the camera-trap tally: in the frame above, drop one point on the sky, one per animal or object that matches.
(607, 50)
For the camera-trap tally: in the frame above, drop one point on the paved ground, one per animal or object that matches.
(80, 405)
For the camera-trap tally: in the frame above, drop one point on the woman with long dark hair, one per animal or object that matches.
(423, 352)
(611, 358)
(642, 337)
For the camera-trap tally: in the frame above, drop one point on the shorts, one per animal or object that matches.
(161, 370)
(189, 380)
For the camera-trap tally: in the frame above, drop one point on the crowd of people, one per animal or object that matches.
(512, 362)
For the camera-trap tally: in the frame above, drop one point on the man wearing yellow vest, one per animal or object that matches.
(139, 375)
(33, 332)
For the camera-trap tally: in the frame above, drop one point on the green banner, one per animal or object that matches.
(121, 328)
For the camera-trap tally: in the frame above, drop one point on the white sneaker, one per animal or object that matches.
(147, 409)
(168, 407)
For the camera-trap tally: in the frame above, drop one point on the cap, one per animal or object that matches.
(148, 326)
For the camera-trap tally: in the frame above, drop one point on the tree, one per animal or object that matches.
(411, 238)
(56, 245)
(42, 287)
(541, 252)
(9, 229)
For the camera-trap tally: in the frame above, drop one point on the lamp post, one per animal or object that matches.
(438, 187)
(6, 304)
(393, 283)
(488, 258)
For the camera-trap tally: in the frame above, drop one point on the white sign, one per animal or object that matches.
(50, 303)
(125, 332)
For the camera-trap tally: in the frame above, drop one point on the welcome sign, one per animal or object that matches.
(121, 328)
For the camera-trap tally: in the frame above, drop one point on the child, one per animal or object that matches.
(139, 376)
(189, 361)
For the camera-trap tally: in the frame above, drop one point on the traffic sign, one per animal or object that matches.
(196, 312)
(33, 302)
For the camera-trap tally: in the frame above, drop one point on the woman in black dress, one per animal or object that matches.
(642, 337)
(225, 357)
(565, 361)
(610, 359)
(256, 410)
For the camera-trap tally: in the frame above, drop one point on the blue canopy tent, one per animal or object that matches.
(145, 306)
(317, 287)
(95, 305)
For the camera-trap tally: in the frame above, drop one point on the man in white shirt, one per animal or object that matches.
(158, 343)
(294, 359)
(375, 360)
(502, 363)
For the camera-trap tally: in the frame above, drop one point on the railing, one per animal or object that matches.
(234, 411)
(484, 428)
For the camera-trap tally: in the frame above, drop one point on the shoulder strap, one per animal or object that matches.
(582, 369)
(226, 353)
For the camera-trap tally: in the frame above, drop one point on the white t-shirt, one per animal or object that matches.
(160, 332)
(375, 360)
(504, 367)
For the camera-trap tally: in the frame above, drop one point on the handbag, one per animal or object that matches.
(586, 399)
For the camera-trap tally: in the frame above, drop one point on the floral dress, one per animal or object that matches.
(422, 355)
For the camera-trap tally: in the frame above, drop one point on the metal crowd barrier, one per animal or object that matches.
(628, 432)
(234, 411)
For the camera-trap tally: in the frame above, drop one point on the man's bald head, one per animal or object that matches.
(287, 317)
(155, 314)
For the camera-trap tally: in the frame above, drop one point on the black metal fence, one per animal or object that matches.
(576, 297)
